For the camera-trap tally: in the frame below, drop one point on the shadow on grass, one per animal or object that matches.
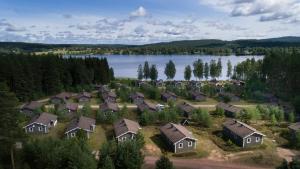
(159, 141)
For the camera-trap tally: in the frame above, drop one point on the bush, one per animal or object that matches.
(202, 117)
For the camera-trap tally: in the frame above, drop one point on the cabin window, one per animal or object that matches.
(180, 145)
(72, 134)
(190, 144)
(40, 128)
(30, 129)
(123, 138)
(257, 139)
(248, 140)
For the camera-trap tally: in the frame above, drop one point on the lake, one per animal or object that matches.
(127, 65)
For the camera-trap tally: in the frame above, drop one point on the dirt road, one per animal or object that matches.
(198, 164)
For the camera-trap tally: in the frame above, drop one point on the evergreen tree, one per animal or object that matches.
(187, 72)
(206, 70)
(146, 70)
(153, 73)
(219, 67)
(108, 163)
(291, 117)
(129, 156)
(213, 69)
(140, 72)
(164, 163)
(170, 70)
(198, 69)
(111, 74)
(229, 69)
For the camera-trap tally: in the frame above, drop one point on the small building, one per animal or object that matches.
(84, 97)
(61, 98)
(85, 124)
(159, 83)
(109, 96)
(30, 108)
(109, 107)
(146, 106)
(168, 96)
(242, 134)
(178, 138)
(294, 128)
(102, 88)
(230, 110)
(41, 124)
(126, 129)
(71, 107)
(238, 82)
(232, 97)
(194, 84)
(197, 96)
(136, 97)
(186, 110)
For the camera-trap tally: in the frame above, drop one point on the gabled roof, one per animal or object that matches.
(176, 132)
(197, 93)
(295, 126)
(229, 107)
(146, 105)
(63, 95)
(124, 126)
(43, 119)
(186, 107)
(83, 123)
(239, 128)
(109, 106)
(168, 94)
(72, 106)
(137, 94)
(84, 94)
(32, 105)
(109, 94)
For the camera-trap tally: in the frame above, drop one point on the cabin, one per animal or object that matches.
(136, 97)
(41, 124)
(126, 129)
(194, 84)
(232, 97)
(159, 83)
(109, 96)
(102, 88)
(146, 106)
(109, 107)
(71, 107)
(197, 96)
(84, 97)
(168, 96)
(230, 110)
(178, 138)
(61, 98)
(294, 128)
(30, 108)
(186, 110)
(85, 124)
(242, 134)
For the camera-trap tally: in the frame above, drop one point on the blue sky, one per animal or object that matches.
(146, 21)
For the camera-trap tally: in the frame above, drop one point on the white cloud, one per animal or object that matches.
(140, 12)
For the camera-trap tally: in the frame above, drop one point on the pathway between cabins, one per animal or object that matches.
(149, 162)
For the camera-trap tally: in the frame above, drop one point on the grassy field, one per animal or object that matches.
(97, 138)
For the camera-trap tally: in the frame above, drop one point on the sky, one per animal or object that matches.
(145, 21)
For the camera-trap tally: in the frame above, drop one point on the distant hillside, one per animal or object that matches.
(175, 47)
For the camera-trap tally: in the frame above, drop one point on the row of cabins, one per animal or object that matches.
(62, 98)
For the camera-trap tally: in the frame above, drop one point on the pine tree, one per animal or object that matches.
(153, 73)
(146, 70)
(213, 69)
(229, 69)
(198, 69)
(206, 70)
(219, 67)
(187, 72)
(170, 70)
(164, 163)
(140, 72)
(108, 163)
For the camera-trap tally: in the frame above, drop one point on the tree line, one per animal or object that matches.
(199, 69)
(31, 77)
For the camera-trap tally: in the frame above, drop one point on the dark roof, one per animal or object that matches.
(197, 94)
(84, 94)
(229, 107)
(32, 105)
(109, 94)
(123, 126)
(72, 106)
(109, 106)
(168, 94)
(44, 118)
(83, 123)
(186, 107)
(295, 126)
(239, 128)
(63, 95)
(146, 105)
(176, 132)
(137, 94)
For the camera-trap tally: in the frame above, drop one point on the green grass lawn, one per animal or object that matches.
(97, 138)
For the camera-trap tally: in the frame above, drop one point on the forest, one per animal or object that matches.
(31, 77)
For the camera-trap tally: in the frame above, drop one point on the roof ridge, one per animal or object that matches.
(175, 125)
(246, 125)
